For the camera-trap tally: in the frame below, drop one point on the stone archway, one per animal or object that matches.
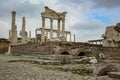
(65, 53)
(81, 54)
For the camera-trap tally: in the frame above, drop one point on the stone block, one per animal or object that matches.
(114, 75)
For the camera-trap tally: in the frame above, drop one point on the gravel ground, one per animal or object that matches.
(29, 71)
(21, 68)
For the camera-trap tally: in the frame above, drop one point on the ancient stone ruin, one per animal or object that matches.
(89, 59)
(111, 38)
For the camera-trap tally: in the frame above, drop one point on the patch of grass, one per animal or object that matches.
(76, 71)
(29, 61)
(79, 72)
(44, 58)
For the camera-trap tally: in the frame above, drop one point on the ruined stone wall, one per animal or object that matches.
(3, 46)
(60, 47)
(33, 48)
(111, 52)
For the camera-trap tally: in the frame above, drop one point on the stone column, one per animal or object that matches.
(9, 34)
(13, 29)
(15, 35)
(29, 35)
(13, 19)
(74, 37)
(43, 30)
(36, 35)
(66, 36)
(58, 34)
(46, 35)
(23, 30)
(95, 42)
(51, 28)
(63, 27)
(70, 36)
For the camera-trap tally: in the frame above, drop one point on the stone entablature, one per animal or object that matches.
(49, 13)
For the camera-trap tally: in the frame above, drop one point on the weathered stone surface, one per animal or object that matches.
(104, 78)
(112, 36)
(30, 71)
(93, 60)
(109, 68)
(114, 75)
(102, 56)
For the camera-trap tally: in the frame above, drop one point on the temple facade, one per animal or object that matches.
(52, 15)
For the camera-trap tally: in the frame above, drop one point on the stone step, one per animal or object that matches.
(112, 61)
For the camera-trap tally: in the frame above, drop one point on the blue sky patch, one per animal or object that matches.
(102, 18)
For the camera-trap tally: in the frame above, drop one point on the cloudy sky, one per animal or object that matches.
(87, 19)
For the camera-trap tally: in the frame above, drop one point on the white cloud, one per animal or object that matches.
(4, 29)
(76, 20)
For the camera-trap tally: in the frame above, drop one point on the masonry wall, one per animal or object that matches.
(72, 48)
(33, 48)
(3, 46)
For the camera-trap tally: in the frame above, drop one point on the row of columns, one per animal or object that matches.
(96, 42)
(13, 32)
(56, 31)
(51, 28)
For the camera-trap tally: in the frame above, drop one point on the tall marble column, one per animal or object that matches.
(51, 28)
(43, 30)
(13, 29)
(23, 30)
(63, 27)
(58, 34)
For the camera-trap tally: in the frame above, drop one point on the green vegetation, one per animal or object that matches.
(79, 72)
(29, 61)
